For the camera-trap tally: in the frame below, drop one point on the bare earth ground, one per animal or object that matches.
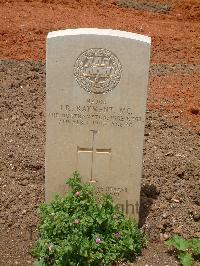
(170, 195)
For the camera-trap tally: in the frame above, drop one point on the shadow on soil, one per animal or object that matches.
(148, 194)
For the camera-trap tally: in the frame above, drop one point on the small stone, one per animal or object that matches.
(197, 234)
(23, 182)
(32, 90)
(164, 215)
(161, 237)
(23, 212)
(169, 153)
(165, 236)
(180, 155)
(22, 123)
(175, 200)
(154, 207)
(180, 174)
(194, 111)
(168, 197)
(196, 217)
(14, 118)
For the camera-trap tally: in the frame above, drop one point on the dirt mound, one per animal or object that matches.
(170, 189)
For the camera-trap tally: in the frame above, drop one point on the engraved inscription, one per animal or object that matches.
(97, 70)
(126, 207)
(129, 208)
(95, 114)
(111, 190)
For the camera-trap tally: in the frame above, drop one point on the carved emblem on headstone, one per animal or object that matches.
(97, 70)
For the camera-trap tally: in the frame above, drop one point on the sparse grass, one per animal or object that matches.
(186, 250)
(144, 5)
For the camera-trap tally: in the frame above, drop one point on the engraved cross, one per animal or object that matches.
(93, 150)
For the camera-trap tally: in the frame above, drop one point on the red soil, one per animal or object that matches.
(175, 40)
(170, 188)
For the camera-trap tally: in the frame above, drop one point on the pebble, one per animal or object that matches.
(23, 212)
(169, 153)
(196, 217)
(164, 236)
(180, 174)
(168, 196)
(23, 182)
(180, 155)
(197, 234)
(175, 200)
(22, 123)
(154, 207)
(164, 215)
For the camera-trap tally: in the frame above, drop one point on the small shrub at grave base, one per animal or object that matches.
(78, 230)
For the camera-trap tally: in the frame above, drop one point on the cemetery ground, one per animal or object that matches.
(170, 192)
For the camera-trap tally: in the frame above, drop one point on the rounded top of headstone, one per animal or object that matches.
(98, 32)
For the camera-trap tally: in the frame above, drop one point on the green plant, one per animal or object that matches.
(186, 250)
(79, 230)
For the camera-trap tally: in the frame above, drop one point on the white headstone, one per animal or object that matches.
(95, 103)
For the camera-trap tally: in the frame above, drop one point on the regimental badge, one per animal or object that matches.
(97, 70)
